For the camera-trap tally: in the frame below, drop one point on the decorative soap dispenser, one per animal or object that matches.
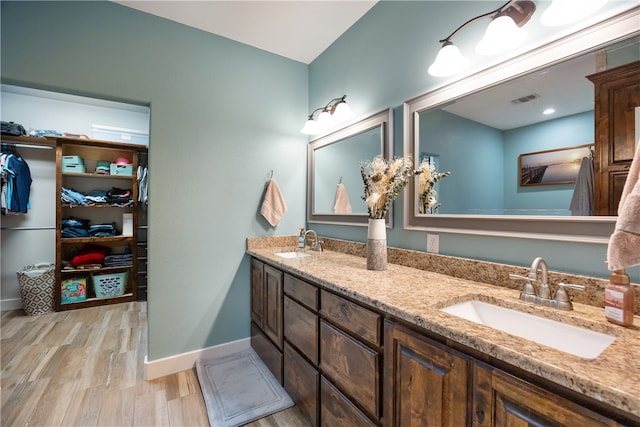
(618, 299)
(301, 239)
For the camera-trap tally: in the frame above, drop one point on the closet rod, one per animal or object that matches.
(46, 147)
(28, 228)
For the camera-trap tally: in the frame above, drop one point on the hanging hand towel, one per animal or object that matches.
(624, 244)
(342, 204)
(273, 205)
(582, 200)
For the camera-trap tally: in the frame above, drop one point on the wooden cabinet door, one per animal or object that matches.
(352, 367)
(272, 320)
(301, 329)
(501, 400)
(301, 381)
(617, 95)
(425, 383)
(257, 292)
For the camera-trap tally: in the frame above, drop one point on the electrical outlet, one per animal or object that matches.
(433, 243)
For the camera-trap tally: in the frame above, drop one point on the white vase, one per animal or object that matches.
(377, 245)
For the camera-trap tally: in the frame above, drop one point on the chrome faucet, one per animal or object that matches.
(315, 245)
(543, 296)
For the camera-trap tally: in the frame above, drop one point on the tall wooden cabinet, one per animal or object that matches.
(70, 276)
(617, 95)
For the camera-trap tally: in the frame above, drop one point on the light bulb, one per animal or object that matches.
(449, 61)
(342, 113)
(562, 12)
(324, 121)
(310, 127)
(502, 35)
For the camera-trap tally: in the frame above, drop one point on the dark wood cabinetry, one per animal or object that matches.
(617, 95)
(345, 364)
(266, 315)
(500, 399)
(425, 382)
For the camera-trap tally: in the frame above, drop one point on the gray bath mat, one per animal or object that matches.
(239, 388)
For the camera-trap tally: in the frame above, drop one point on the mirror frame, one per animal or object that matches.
(382, 119)
(571, 229)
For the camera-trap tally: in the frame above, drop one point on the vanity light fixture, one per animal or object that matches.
(335, 112)
(562, 12)
(503, 33)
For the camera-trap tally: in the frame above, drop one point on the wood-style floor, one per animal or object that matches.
(85, 368)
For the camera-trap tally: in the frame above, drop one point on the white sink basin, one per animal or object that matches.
(292, 254)
(570, 339)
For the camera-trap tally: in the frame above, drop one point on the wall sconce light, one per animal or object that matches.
(335, 112)
(562, 12)
(503, 33)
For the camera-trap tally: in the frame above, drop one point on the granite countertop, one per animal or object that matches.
(417, 296)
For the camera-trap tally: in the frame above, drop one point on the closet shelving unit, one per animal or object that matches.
(91, 151)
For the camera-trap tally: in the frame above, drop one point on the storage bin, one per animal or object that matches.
(73, 290)
(109, 285)
(72, 160)
(37, 285)
(110, 133)
(122, 170)
(74, 168)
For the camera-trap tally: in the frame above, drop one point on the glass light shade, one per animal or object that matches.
(562, 12)
(449, 61)
(310, 127)
(502, 35)
(324, 121)
(342, 113)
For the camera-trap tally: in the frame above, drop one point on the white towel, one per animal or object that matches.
(342, 204)
(273, 204)
(624, 245)
(583, 194)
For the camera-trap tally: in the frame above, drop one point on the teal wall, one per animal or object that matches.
(381, 62)
(223, 115)
(468, 150)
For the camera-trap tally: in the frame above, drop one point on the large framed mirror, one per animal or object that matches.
(334, 183)
(482, 127)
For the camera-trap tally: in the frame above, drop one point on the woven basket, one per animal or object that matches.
(37, 284)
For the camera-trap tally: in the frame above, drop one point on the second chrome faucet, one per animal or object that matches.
(543, 295)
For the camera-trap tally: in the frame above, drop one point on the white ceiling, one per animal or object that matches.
(296, 29)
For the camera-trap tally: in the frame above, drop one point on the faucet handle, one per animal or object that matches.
(562, 297)
(517, 276)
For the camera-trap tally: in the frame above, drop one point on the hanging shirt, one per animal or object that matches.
(18, 184)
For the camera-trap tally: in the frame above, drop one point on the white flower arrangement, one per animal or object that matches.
(426, 183)
(383, 182)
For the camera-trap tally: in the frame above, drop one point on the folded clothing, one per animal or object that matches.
(74, 227)
(103, 230)
(90, 254)
(119, 197)
(117, 260)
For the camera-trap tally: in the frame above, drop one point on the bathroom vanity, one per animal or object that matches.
(355, 347)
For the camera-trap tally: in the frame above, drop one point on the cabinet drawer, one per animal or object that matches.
(351, 366)
(267, 352)
(337, 411)
(351, 317)
(301, 291)
(301, 329)
(301, 382)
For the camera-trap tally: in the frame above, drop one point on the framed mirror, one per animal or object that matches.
(334, 183)
(462, 130)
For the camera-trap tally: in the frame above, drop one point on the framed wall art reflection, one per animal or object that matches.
(552, 167)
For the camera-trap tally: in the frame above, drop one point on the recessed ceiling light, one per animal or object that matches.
(549, 111)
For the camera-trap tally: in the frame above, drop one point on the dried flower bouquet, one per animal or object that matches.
(383, 182)
(426, 184)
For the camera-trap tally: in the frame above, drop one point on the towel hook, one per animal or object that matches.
(271, 176)
(340, 182)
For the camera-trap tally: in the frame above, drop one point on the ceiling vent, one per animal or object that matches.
(524, 99)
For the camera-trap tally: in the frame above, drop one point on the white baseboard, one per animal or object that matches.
(10, 304)
(181, 362)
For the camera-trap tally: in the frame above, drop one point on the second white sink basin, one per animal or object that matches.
(292, 254)
(570, 339)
